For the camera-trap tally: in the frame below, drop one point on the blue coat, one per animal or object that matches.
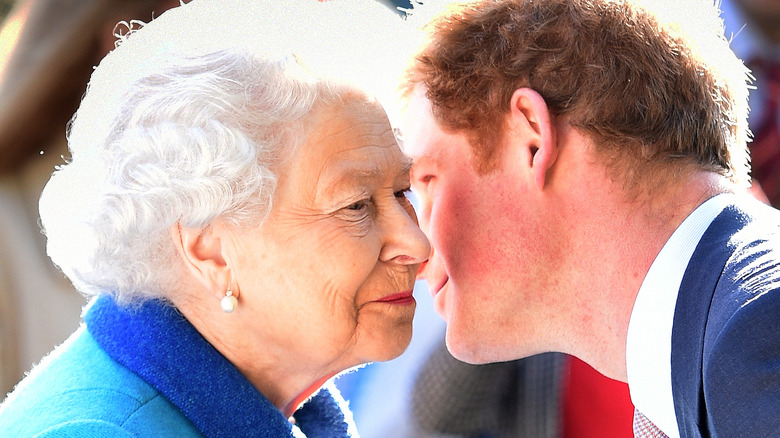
(726, 331)
(147, 372)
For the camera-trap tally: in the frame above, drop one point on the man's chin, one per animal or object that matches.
(476, 348)
(467, 350)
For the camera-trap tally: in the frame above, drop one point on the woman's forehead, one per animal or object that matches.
(350, 144)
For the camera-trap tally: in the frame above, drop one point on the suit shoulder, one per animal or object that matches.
(741, 370)
(751, 275)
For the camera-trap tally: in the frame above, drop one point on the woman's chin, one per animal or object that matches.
(390, 347)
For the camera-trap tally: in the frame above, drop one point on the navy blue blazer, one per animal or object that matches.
(726, 332)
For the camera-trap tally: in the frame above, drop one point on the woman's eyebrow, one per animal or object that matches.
(407, 166)
(347, 177)
(355, 176)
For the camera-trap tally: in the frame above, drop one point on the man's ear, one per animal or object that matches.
(201, 253)
(530, 122)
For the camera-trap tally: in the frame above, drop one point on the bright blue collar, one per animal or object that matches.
(158, 344)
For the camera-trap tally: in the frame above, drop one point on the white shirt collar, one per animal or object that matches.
(649, 340)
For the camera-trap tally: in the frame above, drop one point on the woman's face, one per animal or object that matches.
(327, 279)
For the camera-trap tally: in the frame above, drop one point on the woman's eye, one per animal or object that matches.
(357, 206)
(403, 193)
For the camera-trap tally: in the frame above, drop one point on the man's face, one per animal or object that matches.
(488, 270)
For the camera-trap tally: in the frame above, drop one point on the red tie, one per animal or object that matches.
(765, 147)
(644, 428)
(594, 406)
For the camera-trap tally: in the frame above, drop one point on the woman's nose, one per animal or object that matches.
(405, 243)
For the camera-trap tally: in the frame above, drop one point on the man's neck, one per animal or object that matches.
(621, 239)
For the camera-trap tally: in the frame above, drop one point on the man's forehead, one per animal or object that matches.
(418, 124)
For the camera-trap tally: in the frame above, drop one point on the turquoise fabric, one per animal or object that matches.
(79, 390)
(146, 371)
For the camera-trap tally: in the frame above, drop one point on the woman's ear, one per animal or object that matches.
(530, 123)
(201, 253)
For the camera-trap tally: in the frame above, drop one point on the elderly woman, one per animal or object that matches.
(243, 226)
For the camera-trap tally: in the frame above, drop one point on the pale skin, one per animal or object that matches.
(325, 283)
(545, 253)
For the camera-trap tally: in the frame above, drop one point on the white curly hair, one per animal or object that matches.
(186, 122)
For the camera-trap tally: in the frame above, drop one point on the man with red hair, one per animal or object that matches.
(582, 171)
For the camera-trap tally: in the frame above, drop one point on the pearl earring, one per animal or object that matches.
(228, 302)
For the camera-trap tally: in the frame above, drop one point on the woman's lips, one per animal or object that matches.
(400, 298)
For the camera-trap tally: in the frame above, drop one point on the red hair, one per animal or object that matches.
(641, 91)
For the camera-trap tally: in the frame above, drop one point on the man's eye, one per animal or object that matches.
(420, 178)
